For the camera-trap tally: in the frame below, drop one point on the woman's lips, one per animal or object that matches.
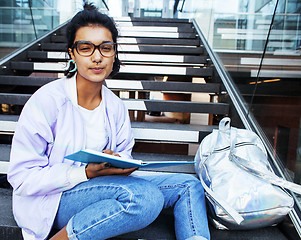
(97, 69)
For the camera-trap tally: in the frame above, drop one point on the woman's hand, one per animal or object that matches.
(103, 169)
(110, 152)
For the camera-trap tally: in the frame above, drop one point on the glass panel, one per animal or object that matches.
(237, 31)
(139, 8)
(20, 24)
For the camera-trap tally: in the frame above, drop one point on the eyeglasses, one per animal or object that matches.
(86, 49)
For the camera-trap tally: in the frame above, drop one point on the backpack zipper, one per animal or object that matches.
(242, 144)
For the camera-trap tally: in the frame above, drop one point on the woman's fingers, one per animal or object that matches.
(103, 169)
(109, 151)
(117, 171)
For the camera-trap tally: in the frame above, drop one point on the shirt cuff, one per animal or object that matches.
(77, 175)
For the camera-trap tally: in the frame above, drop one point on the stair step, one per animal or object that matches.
(182, 25)
(4, 159)
(150, 131)
(176, 106)
(163, 58)
(8, 227)
(167, 70)
(135, 69)
(5, 152)
(142, 104)
(175, 35)
(128, 40)
(124, 57)
(135, 48)
(6, 148)
(187, 168)
(128, 27)
(159, 41)
(156, 34)
(120, 84)
(182, 87)
(25, 80)
(160, 229)
(150, 19)
(170, 132)
(145, 131)
(13, 98)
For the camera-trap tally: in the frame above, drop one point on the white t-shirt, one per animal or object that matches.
(96, 134)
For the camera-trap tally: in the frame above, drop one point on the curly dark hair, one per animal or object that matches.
(91, 16)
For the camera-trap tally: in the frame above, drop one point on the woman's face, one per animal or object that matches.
(94, 68)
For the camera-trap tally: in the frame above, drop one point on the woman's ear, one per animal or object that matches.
(71, 54)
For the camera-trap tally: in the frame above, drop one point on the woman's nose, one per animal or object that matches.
(96, 56)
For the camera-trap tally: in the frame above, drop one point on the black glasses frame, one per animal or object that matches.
(95, 46)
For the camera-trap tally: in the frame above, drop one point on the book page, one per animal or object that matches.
(113, 157)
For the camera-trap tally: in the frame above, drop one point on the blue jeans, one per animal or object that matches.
(109, 206)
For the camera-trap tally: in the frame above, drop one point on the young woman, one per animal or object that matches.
(93, 201)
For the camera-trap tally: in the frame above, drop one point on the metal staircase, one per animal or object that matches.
(160, 56)
(148, 53)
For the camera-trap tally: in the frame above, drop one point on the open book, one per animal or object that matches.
(92, 156)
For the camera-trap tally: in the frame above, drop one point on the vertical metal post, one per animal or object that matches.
(136, 8)
(165, 11)
(125, 8)
(34, 27)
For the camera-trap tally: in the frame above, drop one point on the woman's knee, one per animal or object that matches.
(150, 198)
(189, 182)
(146, 201)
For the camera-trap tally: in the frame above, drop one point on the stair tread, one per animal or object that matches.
(126, 57)
(128, 40)
(142, 104)
(189, 168)
(120, 84)
(135, 125)
(150, 19)
(187, 50)
(159, 228)
(126, 68)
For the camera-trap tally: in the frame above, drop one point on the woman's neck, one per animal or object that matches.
(88, 94)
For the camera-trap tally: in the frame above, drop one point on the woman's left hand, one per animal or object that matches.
(103, 169)
(109, 151)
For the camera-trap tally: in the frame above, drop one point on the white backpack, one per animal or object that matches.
(241, 188)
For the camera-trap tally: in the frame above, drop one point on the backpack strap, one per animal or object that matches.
(213, 197)
(251, 168)
(233, 137)
(272, 178)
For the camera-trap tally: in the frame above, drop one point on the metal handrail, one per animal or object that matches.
(104, 2)
(247, 119)
(33, 24)
(30, 44)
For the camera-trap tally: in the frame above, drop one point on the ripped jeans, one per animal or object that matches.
(109, 206)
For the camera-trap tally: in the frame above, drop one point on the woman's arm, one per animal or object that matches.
(30, 171)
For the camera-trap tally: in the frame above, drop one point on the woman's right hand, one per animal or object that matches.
(103, 169)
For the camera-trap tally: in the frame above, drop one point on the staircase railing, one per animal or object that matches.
(246, 117)
(9, 57)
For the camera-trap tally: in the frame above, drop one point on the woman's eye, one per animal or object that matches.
(85, 48)
(107, 47)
